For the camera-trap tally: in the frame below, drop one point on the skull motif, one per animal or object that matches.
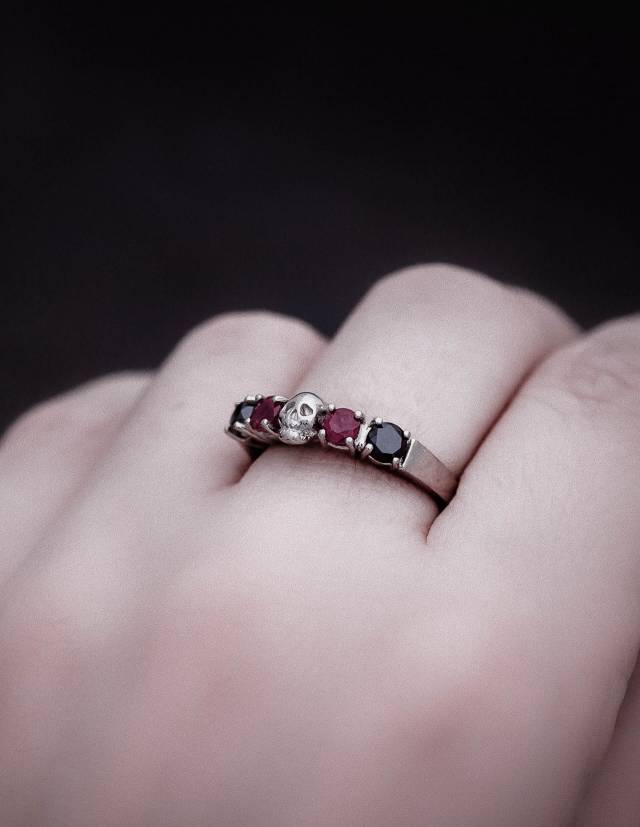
(299, 418)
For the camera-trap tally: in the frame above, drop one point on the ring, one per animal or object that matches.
(259, 421)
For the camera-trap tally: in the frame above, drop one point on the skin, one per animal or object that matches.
(186, 638)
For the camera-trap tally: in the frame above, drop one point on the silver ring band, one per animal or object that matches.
(258, 421)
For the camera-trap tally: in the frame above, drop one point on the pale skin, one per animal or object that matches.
(189, 639)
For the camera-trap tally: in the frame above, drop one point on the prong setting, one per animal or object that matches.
(266, 426)
(361, 439)
(366, 451)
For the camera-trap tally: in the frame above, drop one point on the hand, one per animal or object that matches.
(189, 639)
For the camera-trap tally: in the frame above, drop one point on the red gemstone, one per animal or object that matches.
(266, 409)
(339, 425)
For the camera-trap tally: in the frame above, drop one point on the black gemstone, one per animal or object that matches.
(388, 441)
(241, 412)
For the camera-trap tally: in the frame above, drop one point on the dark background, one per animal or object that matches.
(160, 169)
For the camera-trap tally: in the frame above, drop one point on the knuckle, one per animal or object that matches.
(41, 424)
(543, 313)
(84, 409)
(41, 419)
(231, 332)
(458, 287)
(117, 383)
(420, 279)
(602, 371)
(425, 280)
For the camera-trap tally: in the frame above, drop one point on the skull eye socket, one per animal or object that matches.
(306, 410)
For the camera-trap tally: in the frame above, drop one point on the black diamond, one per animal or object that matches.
(388, 441)
(241, 412)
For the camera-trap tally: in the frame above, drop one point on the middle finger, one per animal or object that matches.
(439, 351)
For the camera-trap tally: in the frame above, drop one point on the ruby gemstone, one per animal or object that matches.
(268, 409)
(339, 425)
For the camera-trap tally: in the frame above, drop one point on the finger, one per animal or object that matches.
(172, 452)
(614, 793)
(543, 539)
(438, 351)
(161, 472)
(45, 455)
(175, 438)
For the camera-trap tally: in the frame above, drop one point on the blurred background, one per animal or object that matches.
(161, 168)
